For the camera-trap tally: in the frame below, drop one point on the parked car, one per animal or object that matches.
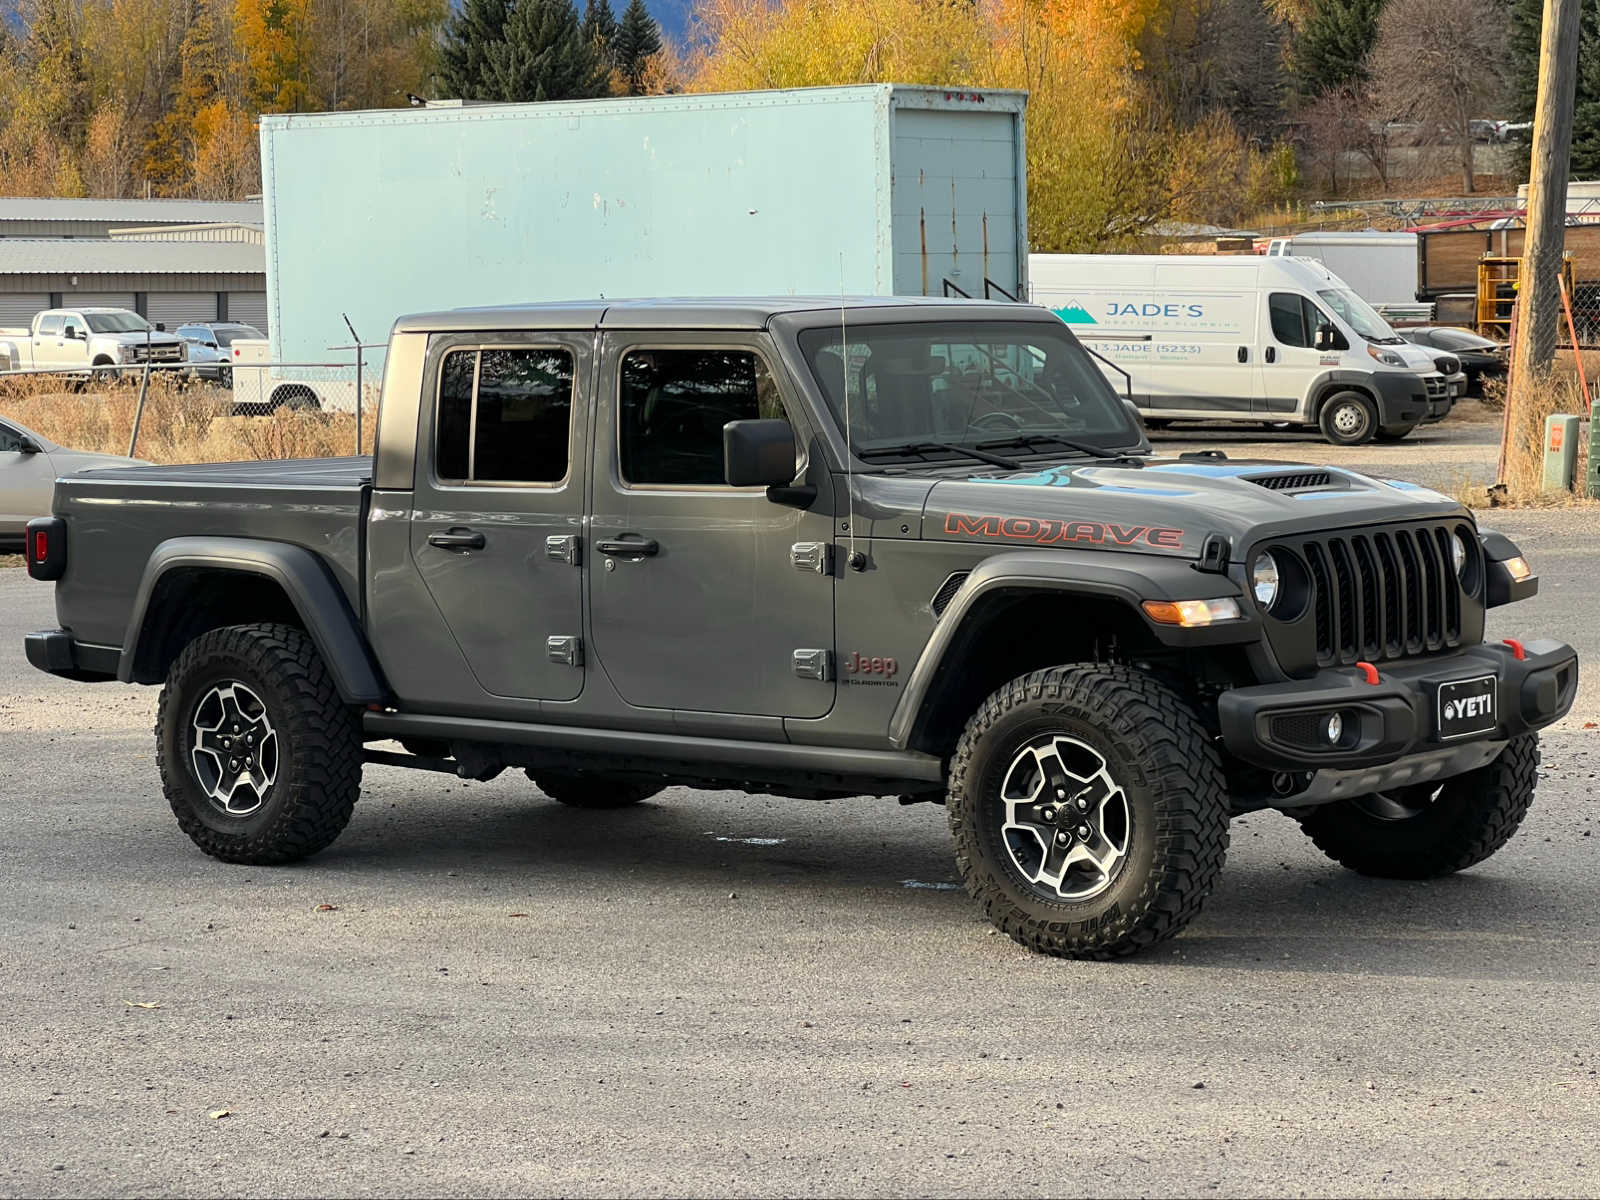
(29, 467)
(91, 337)
(913, 548)
(1244, 338)
(210, 345)
(1480, 357)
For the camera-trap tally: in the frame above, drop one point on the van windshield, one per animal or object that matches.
(977, 384)
(1360, 316)
(116, 322)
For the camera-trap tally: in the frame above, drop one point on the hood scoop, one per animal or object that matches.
(1293, 481)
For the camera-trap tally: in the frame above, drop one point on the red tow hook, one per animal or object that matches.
(1370, 671)
(1518, 649)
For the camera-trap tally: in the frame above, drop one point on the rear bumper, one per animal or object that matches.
(55, 652)
(1396, 719)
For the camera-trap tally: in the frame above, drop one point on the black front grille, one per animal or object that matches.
(1294, 481)
(1388, 594)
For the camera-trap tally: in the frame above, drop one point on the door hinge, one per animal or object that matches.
(562, 547)
(814, 664)
(568, 651)
(816, 557)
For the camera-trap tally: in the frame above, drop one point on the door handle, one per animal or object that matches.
(1244, 353)
(1272, 354)
(458, 539)
(628, 547)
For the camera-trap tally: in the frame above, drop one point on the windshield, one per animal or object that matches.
(225, 337)
(1360, 316)
(965, 383)
(116, 322)
(1460, 339)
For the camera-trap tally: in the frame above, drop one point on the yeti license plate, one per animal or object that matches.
(1466, 707)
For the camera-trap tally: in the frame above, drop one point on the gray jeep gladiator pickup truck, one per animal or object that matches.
(818, 549)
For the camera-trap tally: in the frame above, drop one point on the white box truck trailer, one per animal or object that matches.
(1243, 338)
(1379, 267)
(872, 190)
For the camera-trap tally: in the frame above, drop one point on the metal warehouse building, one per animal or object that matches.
(170, 260)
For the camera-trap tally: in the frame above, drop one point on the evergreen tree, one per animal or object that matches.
(465, 46)
(638, 37)
(600, 27)
(1334, 44)
(545, 56)
(1527, 17)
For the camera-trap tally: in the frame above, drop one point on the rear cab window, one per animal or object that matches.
(51, 325)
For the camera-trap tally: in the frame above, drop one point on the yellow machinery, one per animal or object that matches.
(1497, 293)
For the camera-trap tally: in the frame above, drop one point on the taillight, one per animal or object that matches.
(46, 546)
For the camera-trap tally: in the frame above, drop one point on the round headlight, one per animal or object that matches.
(1459, 553)
(1264, 579)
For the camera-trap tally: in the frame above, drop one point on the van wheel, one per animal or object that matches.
(1348, 419)
(1394, 433)
(259, 757)
(583, 789)
(1089, 811)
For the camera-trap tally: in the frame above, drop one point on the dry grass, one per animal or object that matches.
(180, 424)
(1557, 392)
(11, 560)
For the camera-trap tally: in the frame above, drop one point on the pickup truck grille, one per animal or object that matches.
(1387, 594)
(157, 352)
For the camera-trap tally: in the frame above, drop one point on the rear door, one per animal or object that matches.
(498, 511)
(48, 341)
(696, 599)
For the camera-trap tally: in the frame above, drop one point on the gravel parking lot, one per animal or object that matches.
(477, 990)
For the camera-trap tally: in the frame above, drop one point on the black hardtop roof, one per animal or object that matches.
(741, 312)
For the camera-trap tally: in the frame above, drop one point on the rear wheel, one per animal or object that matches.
(592, 790)
(1088, 810)
(1431, 829)
(260, 759)
(1348, 419)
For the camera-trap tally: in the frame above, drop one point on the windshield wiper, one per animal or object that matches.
(1029, 441)
(921, 449)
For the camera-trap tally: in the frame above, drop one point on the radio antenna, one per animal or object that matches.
(855, 559)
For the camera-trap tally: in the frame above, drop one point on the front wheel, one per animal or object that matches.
(260, 758)
(1089, 811)
(1431, 829)
(1348, 419)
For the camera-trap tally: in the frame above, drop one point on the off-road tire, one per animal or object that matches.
(318, 776)
(1472, 817)
(594, 790)
(1331, 419)
(1155, 748)
(1394, 433)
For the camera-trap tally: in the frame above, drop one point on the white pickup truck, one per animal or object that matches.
(88, 337)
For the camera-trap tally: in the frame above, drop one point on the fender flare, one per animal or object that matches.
(1082, 574)
(304, 578)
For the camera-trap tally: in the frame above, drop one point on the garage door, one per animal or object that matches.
(180, 308)
(97, 300)
(250, 308)
(17, 309)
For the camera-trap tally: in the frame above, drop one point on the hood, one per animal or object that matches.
(1169, 506)
(1418, 358)
(70, 462)
(133, 338)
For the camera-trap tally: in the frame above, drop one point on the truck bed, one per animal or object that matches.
(120, 515)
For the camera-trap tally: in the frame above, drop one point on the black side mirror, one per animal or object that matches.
(72, 333)
(26, 445)
(1324, 339)
(762, 453)
(160, 327)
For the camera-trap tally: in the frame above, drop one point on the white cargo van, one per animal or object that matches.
(1243, 338)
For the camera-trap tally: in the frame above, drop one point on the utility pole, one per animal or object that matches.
(1539, 278)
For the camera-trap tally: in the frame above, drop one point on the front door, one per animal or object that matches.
(696, 599)
(1289, 357)
(27, 483)
(497, 523)
(72, 348)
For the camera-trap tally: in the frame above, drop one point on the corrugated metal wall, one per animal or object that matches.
(97, 300)
(177, 308)
(17, 309)
(251, 309)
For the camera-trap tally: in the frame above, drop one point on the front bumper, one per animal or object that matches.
(1408, 398)
(1279, 727)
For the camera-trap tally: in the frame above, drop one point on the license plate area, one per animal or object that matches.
(1466, 707)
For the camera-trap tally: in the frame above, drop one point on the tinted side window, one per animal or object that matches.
(50, 326)
(1288, 320)
(674, 404)
(505, 416)
(10, 440)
